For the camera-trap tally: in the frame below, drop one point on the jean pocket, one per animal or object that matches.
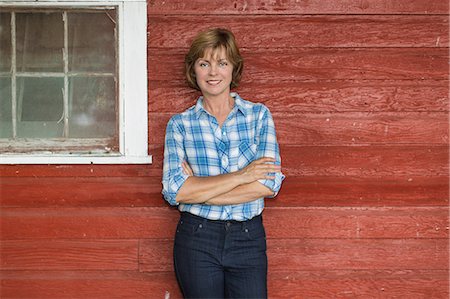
(255, 233)
(188, 228)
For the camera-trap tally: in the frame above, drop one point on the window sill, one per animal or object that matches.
(55, 159)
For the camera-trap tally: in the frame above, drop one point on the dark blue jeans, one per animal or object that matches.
(220, 259)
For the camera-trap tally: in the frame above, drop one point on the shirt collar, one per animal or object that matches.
(238, 103)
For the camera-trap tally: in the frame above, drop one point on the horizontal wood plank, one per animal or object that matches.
(362, 128)
(88, 284)
(362, 161)
(363, 223)
(357, 191)
(88, 223)
(315, 254)
(365, 161)
(361, 284)
(281, 284)
(305, 31)
(48, 192)
(81, 191)
(291, 222)
(349, 128)
(302, 64)
(250, 7)
(325, 254)
(321, 96)
(74, 170)
(68, 254)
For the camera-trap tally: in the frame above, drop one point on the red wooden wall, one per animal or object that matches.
(359, 93)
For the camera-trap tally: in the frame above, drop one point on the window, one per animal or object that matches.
(73, 85)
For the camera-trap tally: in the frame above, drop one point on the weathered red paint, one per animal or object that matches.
(359, 94)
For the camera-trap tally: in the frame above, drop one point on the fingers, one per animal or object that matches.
(262, 164)
(187, 168)
(264, 160)
(263, 168)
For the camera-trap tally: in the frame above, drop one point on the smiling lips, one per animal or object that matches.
(213, 82)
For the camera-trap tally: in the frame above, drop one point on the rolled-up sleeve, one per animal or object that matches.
(174, 155)
(268, 147)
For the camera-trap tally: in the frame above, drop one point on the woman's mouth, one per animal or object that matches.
(213, 82)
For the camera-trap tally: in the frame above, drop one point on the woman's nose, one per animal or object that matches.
(213, 69)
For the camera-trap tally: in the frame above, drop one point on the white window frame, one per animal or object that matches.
(133, 98)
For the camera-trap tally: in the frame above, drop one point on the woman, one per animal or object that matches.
(221, 158)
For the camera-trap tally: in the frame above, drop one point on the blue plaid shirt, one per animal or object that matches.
(195, 136)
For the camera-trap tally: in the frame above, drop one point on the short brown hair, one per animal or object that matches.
(215, 39)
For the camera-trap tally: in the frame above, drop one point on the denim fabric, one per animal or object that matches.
(220, 259)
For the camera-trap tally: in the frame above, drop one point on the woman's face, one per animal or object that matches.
(214, 73)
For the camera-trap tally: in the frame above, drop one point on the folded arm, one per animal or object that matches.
(241, 194)
(231, 188)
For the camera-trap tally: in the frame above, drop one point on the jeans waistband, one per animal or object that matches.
(256, 219)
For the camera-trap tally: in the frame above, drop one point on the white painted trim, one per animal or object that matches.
(134, 80)
(133, 98)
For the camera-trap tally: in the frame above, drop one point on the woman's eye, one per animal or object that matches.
(223, 64)
(203, 64)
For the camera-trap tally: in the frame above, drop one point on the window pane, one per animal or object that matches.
(92, 41)
(40, 107)
(5, 108)
(92, 102)
(40, 40)
(5, 42)
(92, 107)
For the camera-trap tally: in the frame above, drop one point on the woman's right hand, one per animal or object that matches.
(258, 170)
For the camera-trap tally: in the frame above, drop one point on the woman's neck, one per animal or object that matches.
(219, 107)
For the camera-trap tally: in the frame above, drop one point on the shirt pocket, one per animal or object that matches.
(247, 153)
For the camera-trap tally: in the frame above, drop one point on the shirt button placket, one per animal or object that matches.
(224, 161)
